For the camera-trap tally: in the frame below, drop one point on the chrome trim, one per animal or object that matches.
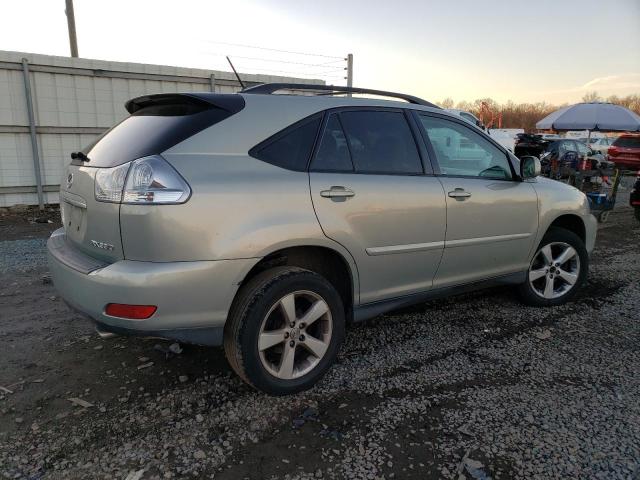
(412, 247)
(483, 240)
(75, 200)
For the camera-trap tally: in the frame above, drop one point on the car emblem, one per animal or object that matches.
(69, 180)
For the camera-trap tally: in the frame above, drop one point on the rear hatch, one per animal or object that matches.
(91, 226)
(156, 123)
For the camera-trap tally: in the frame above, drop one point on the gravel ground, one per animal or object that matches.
(474, 387)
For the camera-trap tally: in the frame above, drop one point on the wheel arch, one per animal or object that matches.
(572, 223)
(326, 261)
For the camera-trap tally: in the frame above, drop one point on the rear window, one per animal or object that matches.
(290, 148)
(627, 142)
(153, 129)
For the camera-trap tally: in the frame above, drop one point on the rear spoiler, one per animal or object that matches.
(230, 102)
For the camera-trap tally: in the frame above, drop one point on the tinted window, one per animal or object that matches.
(291, 148)
(151, 130)
(381, 142)
(462, 151)
(333, 152)
(627, 142)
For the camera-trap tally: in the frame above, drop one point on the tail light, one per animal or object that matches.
(133, 312)
(109, 183)
(149, 180)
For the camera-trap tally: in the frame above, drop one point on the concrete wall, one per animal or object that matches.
(74, 100)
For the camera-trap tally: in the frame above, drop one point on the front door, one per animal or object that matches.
(371, 195)
(492, 216)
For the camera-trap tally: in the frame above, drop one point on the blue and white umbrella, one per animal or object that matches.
(592, 116)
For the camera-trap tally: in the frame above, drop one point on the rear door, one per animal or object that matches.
(371, 194)
(492, 217)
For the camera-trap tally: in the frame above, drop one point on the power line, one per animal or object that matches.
(324, 64)
(295, 72)
(275, 50)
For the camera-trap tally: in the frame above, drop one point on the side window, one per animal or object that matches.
(333, 153)
(381, 142)
(566, 146)
(462, 151)
(582, 148)
(291, 148)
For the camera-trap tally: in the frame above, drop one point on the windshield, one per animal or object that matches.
(627, 142)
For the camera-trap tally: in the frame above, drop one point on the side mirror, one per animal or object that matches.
(529, 167)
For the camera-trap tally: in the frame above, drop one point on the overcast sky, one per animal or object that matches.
(523, 50)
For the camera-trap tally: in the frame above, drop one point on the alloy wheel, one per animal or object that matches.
(554, 271)
(295, 334)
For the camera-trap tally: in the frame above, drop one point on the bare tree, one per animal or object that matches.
(591, 97)
(525, 115)
(446, 103)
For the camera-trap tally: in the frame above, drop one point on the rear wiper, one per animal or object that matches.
(79, 156)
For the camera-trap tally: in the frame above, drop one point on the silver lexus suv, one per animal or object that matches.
(267, 222)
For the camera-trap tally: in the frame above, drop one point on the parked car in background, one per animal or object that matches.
(529, 144)
(601, 144)
(505, 136)
(583, 134)
(585, 151)
(557, 150)
(549, 136)
(625, 151)
(265, 223)
(467, 116)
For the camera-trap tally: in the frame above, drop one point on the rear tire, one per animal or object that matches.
(557, 271)
(284, 330)
(637, 213)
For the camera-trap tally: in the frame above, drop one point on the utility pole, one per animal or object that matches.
(71, 23)
(349, 71)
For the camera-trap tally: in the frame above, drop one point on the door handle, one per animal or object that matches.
(337, 192)
(459, 193)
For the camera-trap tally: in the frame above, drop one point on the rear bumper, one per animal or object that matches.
(193, 298)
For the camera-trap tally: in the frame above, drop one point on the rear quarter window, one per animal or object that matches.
(291, 148)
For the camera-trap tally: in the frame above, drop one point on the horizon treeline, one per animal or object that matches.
(525, 115)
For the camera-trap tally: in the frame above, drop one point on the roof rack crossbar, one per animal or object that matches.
(269, 88)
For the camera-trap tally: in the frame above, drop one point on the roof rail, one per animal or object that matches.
(269, 88)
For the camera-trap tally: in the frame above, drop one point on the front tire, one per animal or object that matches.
(557, 270)
(284, 330)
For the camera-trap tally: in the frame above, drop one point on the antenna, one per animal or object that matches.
(234, 71)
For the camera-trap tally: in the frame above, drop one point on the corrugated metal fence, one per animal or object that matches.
(72, 101)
